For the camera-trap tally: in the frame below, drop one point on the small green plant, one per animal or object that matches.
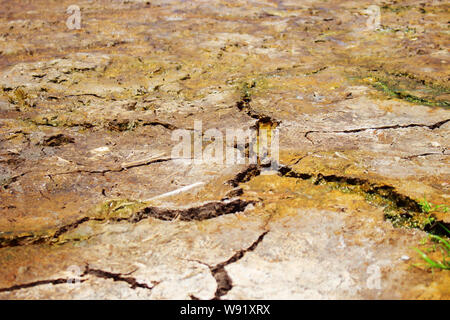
(428, 207)
(441, 244)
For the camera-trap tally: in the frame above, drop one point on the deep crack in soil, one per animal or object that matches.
(224, 282)
(206, 211)
(400, 209)
(88, 271)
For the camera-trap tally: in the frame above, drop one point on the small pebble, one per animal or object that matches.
(435, 144)
(404, 258)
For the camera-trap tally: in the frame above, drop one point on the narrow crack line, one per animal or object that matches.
(30, 239)
(37, 283)
(198, 261)
(113, 125)
(122, 168)
(115, 170)
(268, 221)
(424, 155)
(296, 161)
(244, 106)
(158, 123)
(316, 71)
(85, 125)
(224, 282)
(397, 126)
(15, 178)
(307, 136)
(300, 158)
(118, 277)
(43, 195)
(84, 94)
(108, 170)
(70, 227)
(240, 254)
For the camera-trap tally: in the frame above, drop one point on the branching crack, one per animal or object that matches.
(118, 277)
(223, 280)
(88, 271)
(244, 106)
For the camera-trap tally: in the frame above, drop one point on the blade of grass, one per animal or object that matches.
(443, 227)
(432, 263)
(440, 240)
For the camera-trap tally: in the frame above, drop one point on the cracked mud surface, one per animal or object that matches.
(86, 122)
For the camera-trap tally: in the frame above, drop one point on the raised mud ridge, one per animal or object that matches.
(401, 210)
(206, 211)
(203, 212)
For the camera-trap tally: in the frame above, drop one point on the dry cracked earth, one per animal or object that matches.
(86, 123)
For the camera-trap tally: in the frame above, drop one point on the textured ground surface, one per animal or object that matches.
(86, 119)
